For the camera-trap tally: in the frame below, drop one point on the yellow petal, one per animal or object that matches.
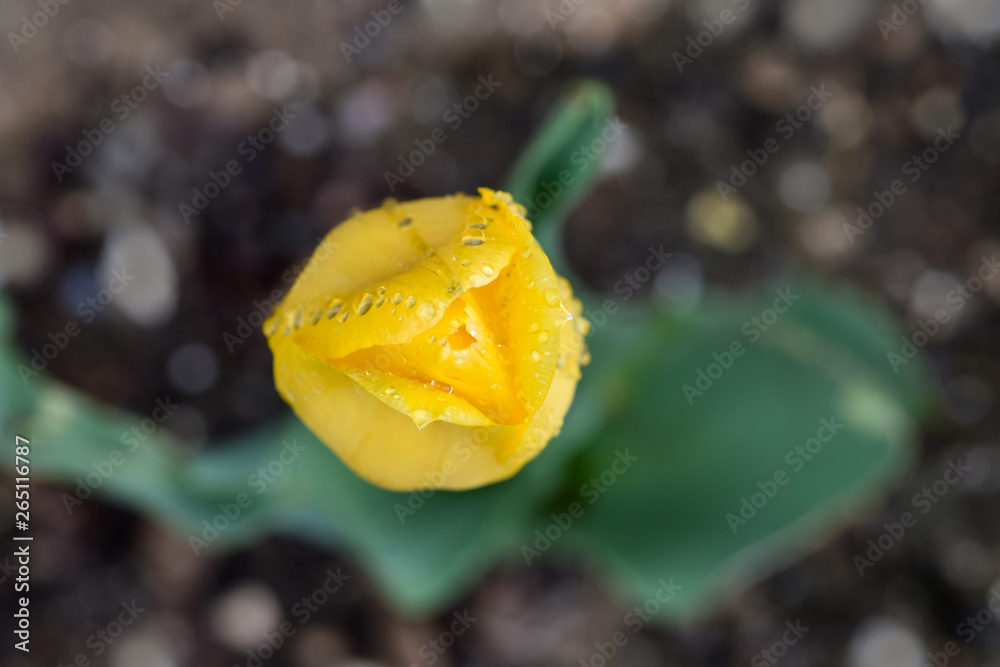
(430, 343)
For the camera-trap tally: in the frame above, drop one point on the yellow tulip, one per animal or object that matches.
(430, 344)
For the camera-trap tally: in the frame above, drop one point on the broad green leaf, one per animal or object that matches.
(557, 169)
(669, 515)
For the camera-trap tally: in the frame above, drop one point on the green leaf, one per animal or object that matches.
(669, 514)
(552, 174)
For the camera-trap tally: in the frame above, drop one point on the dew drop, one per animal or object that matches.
(364, 304)
(536, 356)
(343, 315)
(271, 327)
(397, 299)
(534, 327)
(477, 280)
(477, 225)
(427, 311)
(432, 338)
(404, 222)
(411, 301)
(380, 301)
(381, 290)
(474, 237)
(334, 308)
(543, 337)
(316, 316)
(552, 297)
(488, 271)
(297, 318)
(526, 253)
(504, 353)
(466, 262)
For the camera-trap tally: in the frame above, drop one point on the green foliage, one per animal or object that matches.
(678, 512)
(578, 118)
(664, 517)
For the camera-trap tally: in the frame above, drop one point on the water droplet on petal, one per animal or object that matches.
(411, 301)
(488, 271)
(334, 308)
(427, 311)
(504, 353)
(477, 280)
(343, 315)
(536, 356)
(397, 299)
(543, 337)
(534, 327)
(316, 316)
(404, 222)
(552, 297)
(380, 301)
(466, 262)
(526, 253)
(364, 304)
(474, 237)
(271, 327)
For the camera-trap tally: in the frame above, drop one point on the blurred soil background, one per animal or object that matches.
(196, 275)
